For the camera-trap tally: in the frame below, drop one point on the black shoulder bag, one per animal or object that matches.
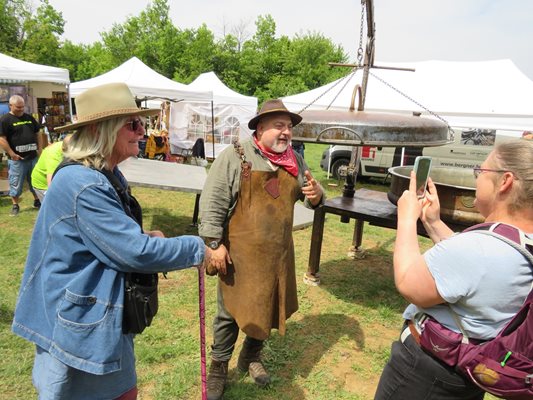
(140, 290)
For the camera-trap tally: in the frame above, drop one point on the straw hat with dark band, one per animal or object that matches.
(105, 102)
(271, 107)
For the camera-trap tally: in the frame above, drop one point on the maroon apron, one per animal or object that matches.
(259, 289)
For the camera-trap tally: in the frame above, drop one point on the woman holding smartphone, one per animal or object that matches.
(481, 278)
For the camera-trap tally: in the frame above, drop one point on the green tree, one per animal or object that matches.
(42, 32)
(12, 16)
(308, 59)
(271, 67)
(85, 61)
(197, 55)
(151, 37)
(263, 56)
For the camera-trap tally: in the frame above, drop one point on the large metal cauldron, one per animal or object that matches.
(456, 188)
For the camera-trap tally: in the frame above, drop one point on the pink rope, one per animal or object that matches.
(201, 295)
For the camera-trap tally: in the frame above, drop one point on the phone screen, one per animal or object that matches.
(422, 168)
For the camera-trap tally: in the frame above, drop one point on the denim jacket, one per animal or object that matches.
(71, 296)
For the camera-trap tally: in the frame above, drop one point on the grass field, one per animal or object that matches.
(335, 346)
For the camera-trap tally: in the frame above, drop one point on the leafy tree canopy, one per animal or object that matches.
(262, 64)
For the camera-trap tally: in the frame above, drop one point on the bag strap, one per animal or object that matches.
(245, 165)
(129, 203)
(508, 234)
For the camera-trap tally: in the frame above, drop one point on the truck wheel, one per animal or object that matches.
(337, 164)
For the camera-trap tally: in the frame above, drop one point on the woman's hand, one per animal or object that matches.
(155, 234)
(409, 205)
(431, 206)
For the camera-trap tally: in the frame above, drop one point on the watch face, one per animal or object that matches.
(214, 244)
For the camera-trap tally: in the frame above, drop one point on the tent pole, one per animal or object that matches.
(213, 126)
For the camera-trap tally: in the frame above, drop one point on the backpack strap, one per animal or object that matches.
(510, 235)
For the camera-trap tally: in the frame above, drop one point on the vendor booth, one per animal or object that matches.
(44, 89)
(216, 123)
(151, 90)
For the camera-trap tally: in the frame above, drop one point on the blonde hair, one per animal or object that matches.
(93, 144)
(517, 156)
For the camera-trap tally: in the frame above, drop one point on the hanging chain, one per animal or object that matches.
(360, 50)
(410, 99)
(352, 74)
(349, 76)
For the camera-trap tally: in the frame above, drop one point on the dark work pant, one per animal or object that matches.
(412, 374)
(226, 332)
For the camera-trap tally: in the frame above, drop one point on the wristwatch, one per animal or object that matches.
(213, 244)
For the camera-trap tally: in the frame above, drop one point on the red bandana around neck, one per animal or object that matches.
(286, 160)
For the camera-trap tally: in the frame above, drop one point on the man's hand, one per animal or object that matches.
(219, 260)
(312, 189)
(15, 157)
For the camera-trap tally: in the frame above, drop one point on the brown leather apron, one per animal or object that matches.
(259, 289)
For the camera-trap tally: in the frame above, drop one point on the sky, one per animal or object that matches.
(406, 30)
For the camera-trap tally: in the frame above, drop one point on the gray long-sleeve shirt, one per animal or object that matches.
(221, 188)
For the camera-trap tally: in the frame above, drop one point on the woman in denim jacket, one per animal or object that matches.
(84, 242)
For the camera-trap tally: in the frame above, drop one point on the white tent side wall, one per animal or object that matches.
(190, 121)
(228, 111)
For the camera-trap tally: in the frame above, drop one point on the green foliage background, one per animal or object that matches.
(256, 63)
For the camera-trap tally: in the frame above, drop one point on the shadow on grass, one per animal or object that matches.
(6, 315)
(294, 356)
(368, 281)
(168, 222)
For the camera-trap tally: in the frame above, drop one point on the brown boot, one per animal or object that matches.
(216, 380)
(250, 360)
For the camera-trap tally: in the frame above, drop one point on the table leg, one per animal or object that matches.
(356, 250)
(316, 241)
(358, 234)
(196, 210)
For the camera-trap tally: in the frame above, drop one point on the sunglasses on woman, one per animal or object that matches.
(134, 124)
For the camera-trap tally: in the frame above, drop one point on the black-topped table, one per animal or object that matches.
(367, 205)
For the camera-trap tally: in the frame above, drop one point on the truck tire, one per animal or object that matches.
(340, 162)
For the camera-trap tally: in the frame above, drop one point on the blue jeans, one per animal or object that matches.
(18, 171)
(57, 381)
(413, 374)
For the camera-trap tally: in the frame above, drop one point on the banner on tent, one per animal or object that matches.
(217, 125)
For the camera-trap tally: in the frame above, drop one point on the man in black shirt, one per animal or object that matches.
(20, 140)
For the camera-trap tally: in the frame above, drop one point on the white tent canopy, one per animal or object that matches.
(228, 112)
(143, 82)
(222, 94)
(483, 94)
(13, 70)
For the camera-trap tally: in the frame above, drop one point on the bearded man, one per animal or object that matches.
(246, 212)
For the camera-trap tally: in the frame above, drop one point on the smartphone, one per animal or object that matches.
(422, 168)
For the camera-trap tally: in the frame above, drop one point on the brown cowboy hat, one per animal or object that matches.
(103, 102)
(270, 107)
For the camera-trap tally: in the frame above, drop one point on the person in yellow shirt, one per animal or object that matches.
(42, 173)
